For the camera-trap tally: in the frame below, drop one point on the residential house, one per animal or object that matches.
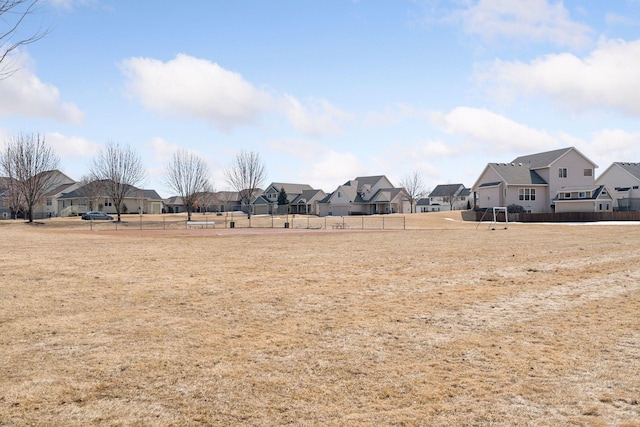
(136, 200)
(267, 202)
(535, 181)
(366, 195)
(307, 203)
(446, 197)
(56, 184)
(623, 181)
(423, 205)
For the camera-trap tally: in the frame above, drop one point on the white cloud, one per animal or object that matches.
(614, 145)
(72, 148)
(318, 118)
(332, 169)
(24, 94)
(527, 20)
(500, 134)
(188, 86)
(606, 78)
(193, 87)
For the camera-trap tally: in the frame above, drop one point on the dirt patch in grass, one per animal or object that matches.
(445, 323)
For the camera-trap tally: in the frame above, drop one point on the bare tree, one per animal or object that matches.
(246, 175)
(29, 164)
(12, 15)
(120, 169)
(92, 190)
(414, 187)
(187, 175)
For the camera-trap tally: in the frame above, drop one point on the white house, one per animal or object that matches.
(446, 197)
(365, 195)
(623, 181)
(535, 181)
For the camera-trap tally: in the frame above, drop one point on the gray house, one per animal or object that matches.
(535, 181)
(365, 195)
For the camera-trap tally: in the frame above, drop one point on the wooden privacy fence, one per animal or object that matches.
(554, 217)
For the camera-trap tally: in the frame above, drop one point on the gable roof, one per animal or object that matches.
(306, 196)
(290, 188)
(517, 174)
(541, 160)
(445, 190)
(369, 180)
(631, 168)
(547, 158)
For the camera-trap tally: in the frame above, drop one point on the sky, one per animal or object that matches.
(328, 90)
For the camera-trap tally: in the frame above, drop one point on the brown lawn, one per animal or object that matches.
(444, 323)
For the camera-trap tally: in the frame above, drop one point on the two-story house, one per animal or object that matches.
(553, 181)
(449, 197)
(365, 195)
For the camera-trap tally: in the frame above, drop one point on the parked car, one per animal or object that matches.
(94, 215)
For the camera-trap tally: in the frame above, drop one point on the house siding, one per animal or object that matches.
(616, 177)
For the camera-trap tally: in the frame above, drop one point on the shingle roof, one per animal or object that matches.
(631, 168)
(445, 190)
(541, 160)
(517, 174)
(291, 188)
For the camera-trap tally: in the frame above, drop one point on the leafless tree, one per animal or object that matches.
(11, 196)
(206, 199)
(246, 175)
(13, 13)
(92, 190)
(29, 163)
(187, 175)
(414, 187)
(120, 169)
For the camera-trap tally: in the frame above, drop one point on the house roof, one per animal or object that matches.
(445, 190)
(517, 174)
(306, 196)
(631, 168)
(423, 202)
(290, 188)
(541, 160)
(547, 158)
(132, 192)
(596, 191)
(368, 180)
(58, 189)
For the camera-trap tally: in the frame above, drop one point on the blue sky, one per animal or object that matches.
(328, 90)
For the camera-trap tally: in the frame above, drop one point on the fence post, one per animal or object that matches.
(383, 223)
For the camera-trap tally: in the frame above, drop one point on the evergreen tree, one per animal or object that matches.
(283, 200)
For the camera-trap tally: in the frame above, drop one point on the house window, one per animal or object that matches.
(48, 201)
(635, 187)
(562, 172)
(527, 193)
(107, 202)
(588, 172)
(566, 196)
(582, 195)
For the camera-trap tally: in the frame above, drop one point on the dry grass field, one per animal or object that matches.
(444, 323)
